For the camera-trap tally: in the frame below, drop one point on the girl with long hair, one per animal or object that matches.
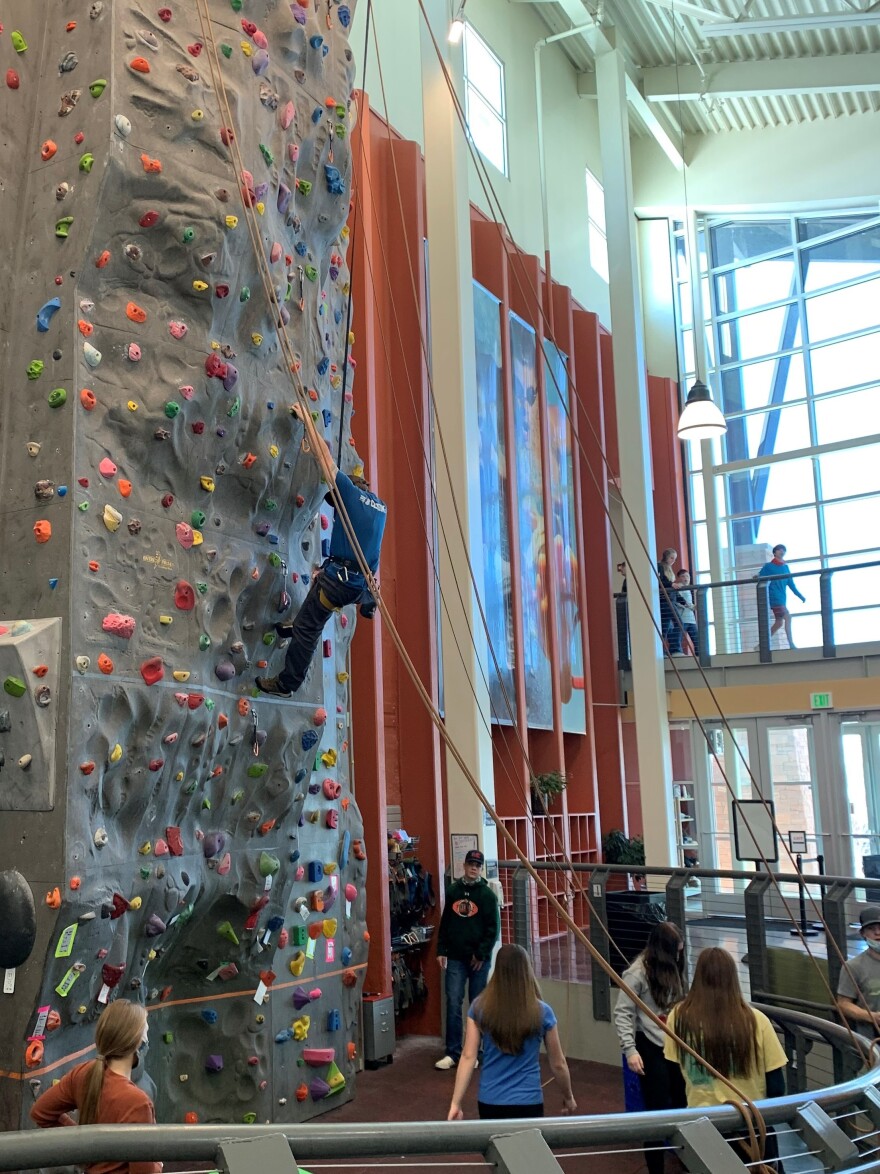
(657, 976)
(512, 1020)
(670, 632)
(101, 1090)
(738, 1041)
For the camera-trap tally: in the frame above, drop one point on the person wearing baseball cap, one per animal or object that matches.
(469, 929)
(858, 989)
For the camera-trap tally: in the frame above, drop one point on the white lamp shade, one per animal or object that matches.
(700, 419)
(456, 30)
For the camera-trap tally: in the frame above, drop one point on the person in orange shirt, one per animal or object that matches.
(101, 1091)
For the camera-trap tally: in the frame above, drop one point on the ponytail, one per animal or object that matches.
(88, 1110)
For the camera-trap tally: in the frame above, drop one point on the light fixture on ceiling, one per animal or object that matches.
(701, 418)
(456, 29)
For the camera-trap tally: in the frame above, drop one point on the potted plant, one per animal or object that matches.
(619, 848)
(545, 788)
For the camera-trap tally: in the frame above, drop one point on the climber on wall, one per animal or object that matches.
(340, 580)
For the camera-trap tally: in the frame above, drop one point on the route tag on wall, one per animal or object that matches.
(67, 982)
(310, 948)
(9, 985)
(40, 1026)
(65, 942)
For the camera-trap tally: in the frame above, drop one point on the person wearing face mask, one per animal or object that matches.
(858, 989)
(469, 929)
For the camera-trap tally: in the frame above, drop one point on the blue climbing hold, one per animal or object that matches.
(317, 114)
(335, 183)
(344, 850)
(61, 491)
(316, 42)
(283, 200)
(323, 366)
(46, 313)
(300, 775)
(300, 248)
(53, 583)
(283, 1036)
(344, 14)
(309, 739)
(325, 412)
(337, 314)
(325, 547)
(274, 924)
(209, 1016)
(345, 957)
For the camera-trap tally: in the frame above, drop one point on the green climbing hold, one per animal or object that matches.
(57, 397)
(245, 293)
(275, 559)
(145, 872)
(339, 130)
(190, 787)
(267, 154)
(225, 930)
(86, 162)
(256, 770)
(206, 804)
(197, 519)
(172, 408)
(35, 369)
(304, 187)
(19, 44)
(235, 5)
(269, 864)
(311, 272)
(204, 642)
(98, 86)
(167, 1037)
(209, 703)
(234, 407)
(16, 687)
(237, 796)
(249, 1118)
(188, 235)
(270, 504)
(202, 588)
(269, 638)
(83, 506)
(226, 50)
(340, 110)
(62, 227)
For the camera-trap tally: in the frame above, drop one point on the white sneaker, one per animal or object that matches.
(476, 1063)
(445, 1064)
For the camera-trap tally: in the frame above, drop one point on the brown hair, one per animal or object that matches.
(663, 960)
(509, 1008)
(119, 1033)
(714, 1018)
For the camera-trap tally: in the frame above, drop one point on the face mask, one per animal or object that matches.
(875, 946)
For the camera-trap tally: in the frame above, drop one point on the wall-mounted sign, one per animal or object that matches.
(821, 701)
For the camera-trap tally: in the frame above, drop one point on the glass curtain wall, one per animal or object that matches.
(792, 340)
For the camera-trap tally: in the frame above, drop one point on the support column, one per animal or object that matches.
(631, 396)
(465, 693)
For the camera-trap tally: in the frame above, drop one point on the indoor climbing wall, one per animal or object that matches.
(168, 834)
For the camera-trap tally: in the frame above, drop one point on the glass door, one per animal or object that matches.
(860, 743)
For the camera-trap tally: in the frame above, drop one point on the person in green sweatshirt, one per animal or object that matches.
(469, 929)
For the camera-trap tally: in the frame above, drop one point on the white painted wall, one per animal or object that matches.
(570, 126)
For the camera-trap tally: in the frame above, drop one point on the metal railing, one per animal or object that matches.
(814, 1126)
(734, 616)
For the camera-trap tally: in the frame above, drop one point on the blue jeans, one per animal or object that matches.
(458, 976)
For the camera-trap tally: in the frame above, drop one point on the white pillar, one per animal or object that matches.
(631, 397)
(454, 375)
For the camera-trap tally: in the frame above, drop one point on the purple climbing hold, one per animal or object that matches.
(214, 1064)
(261, 191)
(230, 378)
(154, 926)
(225, 670)
(301, 998)
(298, 14)
(260, 62)
(213, 844)
(283, 204)
(319, 1089)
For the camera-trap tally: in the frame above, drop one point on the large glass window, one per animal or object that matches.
(485, 106)
(597, 237)
(792, 308)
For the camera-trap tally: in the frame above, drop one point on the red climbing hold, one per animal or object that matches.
(103, 259)
(215, 367)
(12, 79)
(86, 767)
(149, 219)
(165, 16)
(194, 700)
(156, 764)
(152, 670)
(175, 843)
(184, 596)
(194, 49)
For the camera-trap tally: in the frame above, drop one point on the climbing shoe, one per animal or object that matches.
(368, 610)
(272, 686)
(285, 631)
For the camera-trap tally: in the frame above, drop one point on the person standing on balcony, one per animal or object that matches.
(469, 929)
(781, 581)
(670, 632)
(658, 978)
(683, 602)
(858, 988)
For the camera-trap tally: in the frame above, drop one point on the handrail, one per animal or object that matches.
(823, 879)
(34, 1149)
(794, 574)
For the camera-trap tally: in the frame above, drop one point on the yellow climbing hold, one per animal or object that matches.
(246, 48)
(197, 115)
(301, 1027)
(198, 538)
(330, 866)
(200, 286)
(344, 234)
(231, 221)
(151, 955)
(132, 405)
(342, 677)
(296, 964)
(178, 778)
(215, 345)
(207, 483)
(329, 757)
(257, 339)
(112, 518)
(351, 338)
(116, 753)
(181, 675)
(135, 902)
(260, 207)
(146, 848)
(273, 450)
(329, 927)
(166, 619)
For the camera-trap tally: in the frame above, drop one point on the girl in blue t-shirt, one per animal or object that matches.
(512, 1021)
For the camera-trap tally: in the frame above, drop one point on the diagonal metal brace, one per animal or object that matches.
(704, 1151)
(269, 1155)
(822, 1133)
(522, 1153)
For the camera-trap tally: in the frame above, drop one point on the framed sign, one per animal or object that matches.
(797, 843)
(461, 845)
(754, 830)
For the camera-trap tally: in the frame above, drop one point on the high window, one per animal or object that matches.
(485, 107)
(597, 239)
(791, 306)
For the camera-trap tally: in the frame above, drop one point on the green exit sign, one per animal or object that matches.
(821, 701)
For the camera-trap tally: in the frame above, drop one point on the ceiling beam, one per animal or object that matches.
(791, 24)
(841, 74)
(595, 37)
(697, 11)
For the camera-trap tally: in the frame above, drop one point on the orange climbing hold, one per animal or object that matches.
(75, 883)
(33, 1055)
(85, 328)
(47, 150)
(249, 460)
(151, 166)
(40, 670)
(103, 259)
(222, 721)
(139, 65)
(124, 488)
(53, 898)
(266, 827)
(134, 313)
(94, 567)
(88, 399)
(105, 664)
(244, 707)
(42, 530)
(190, 1118)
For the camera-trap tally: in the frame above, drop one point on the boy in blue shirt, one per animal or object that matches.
(781, 581)
(340, 580)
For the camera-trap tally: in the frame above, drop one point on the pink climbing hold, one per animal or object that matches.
(152, 670)
(350, 892)
(187, 391)
(160, 848)
(320, 716)
(286, 115)
(118, 625)
(331, 789)
(107, 468)
(184, 534)
(184, 596)
(331, 818)
(293, 152)
(225, 864)
(165, 15)
(259, 39)
(156, 764)
(178, 329)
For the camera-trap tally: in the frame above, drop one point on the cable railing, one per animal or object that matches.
(825, 1127)
(736, 616)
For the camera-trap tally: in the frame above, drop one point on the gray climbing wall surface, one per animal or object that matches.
(186, 841)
